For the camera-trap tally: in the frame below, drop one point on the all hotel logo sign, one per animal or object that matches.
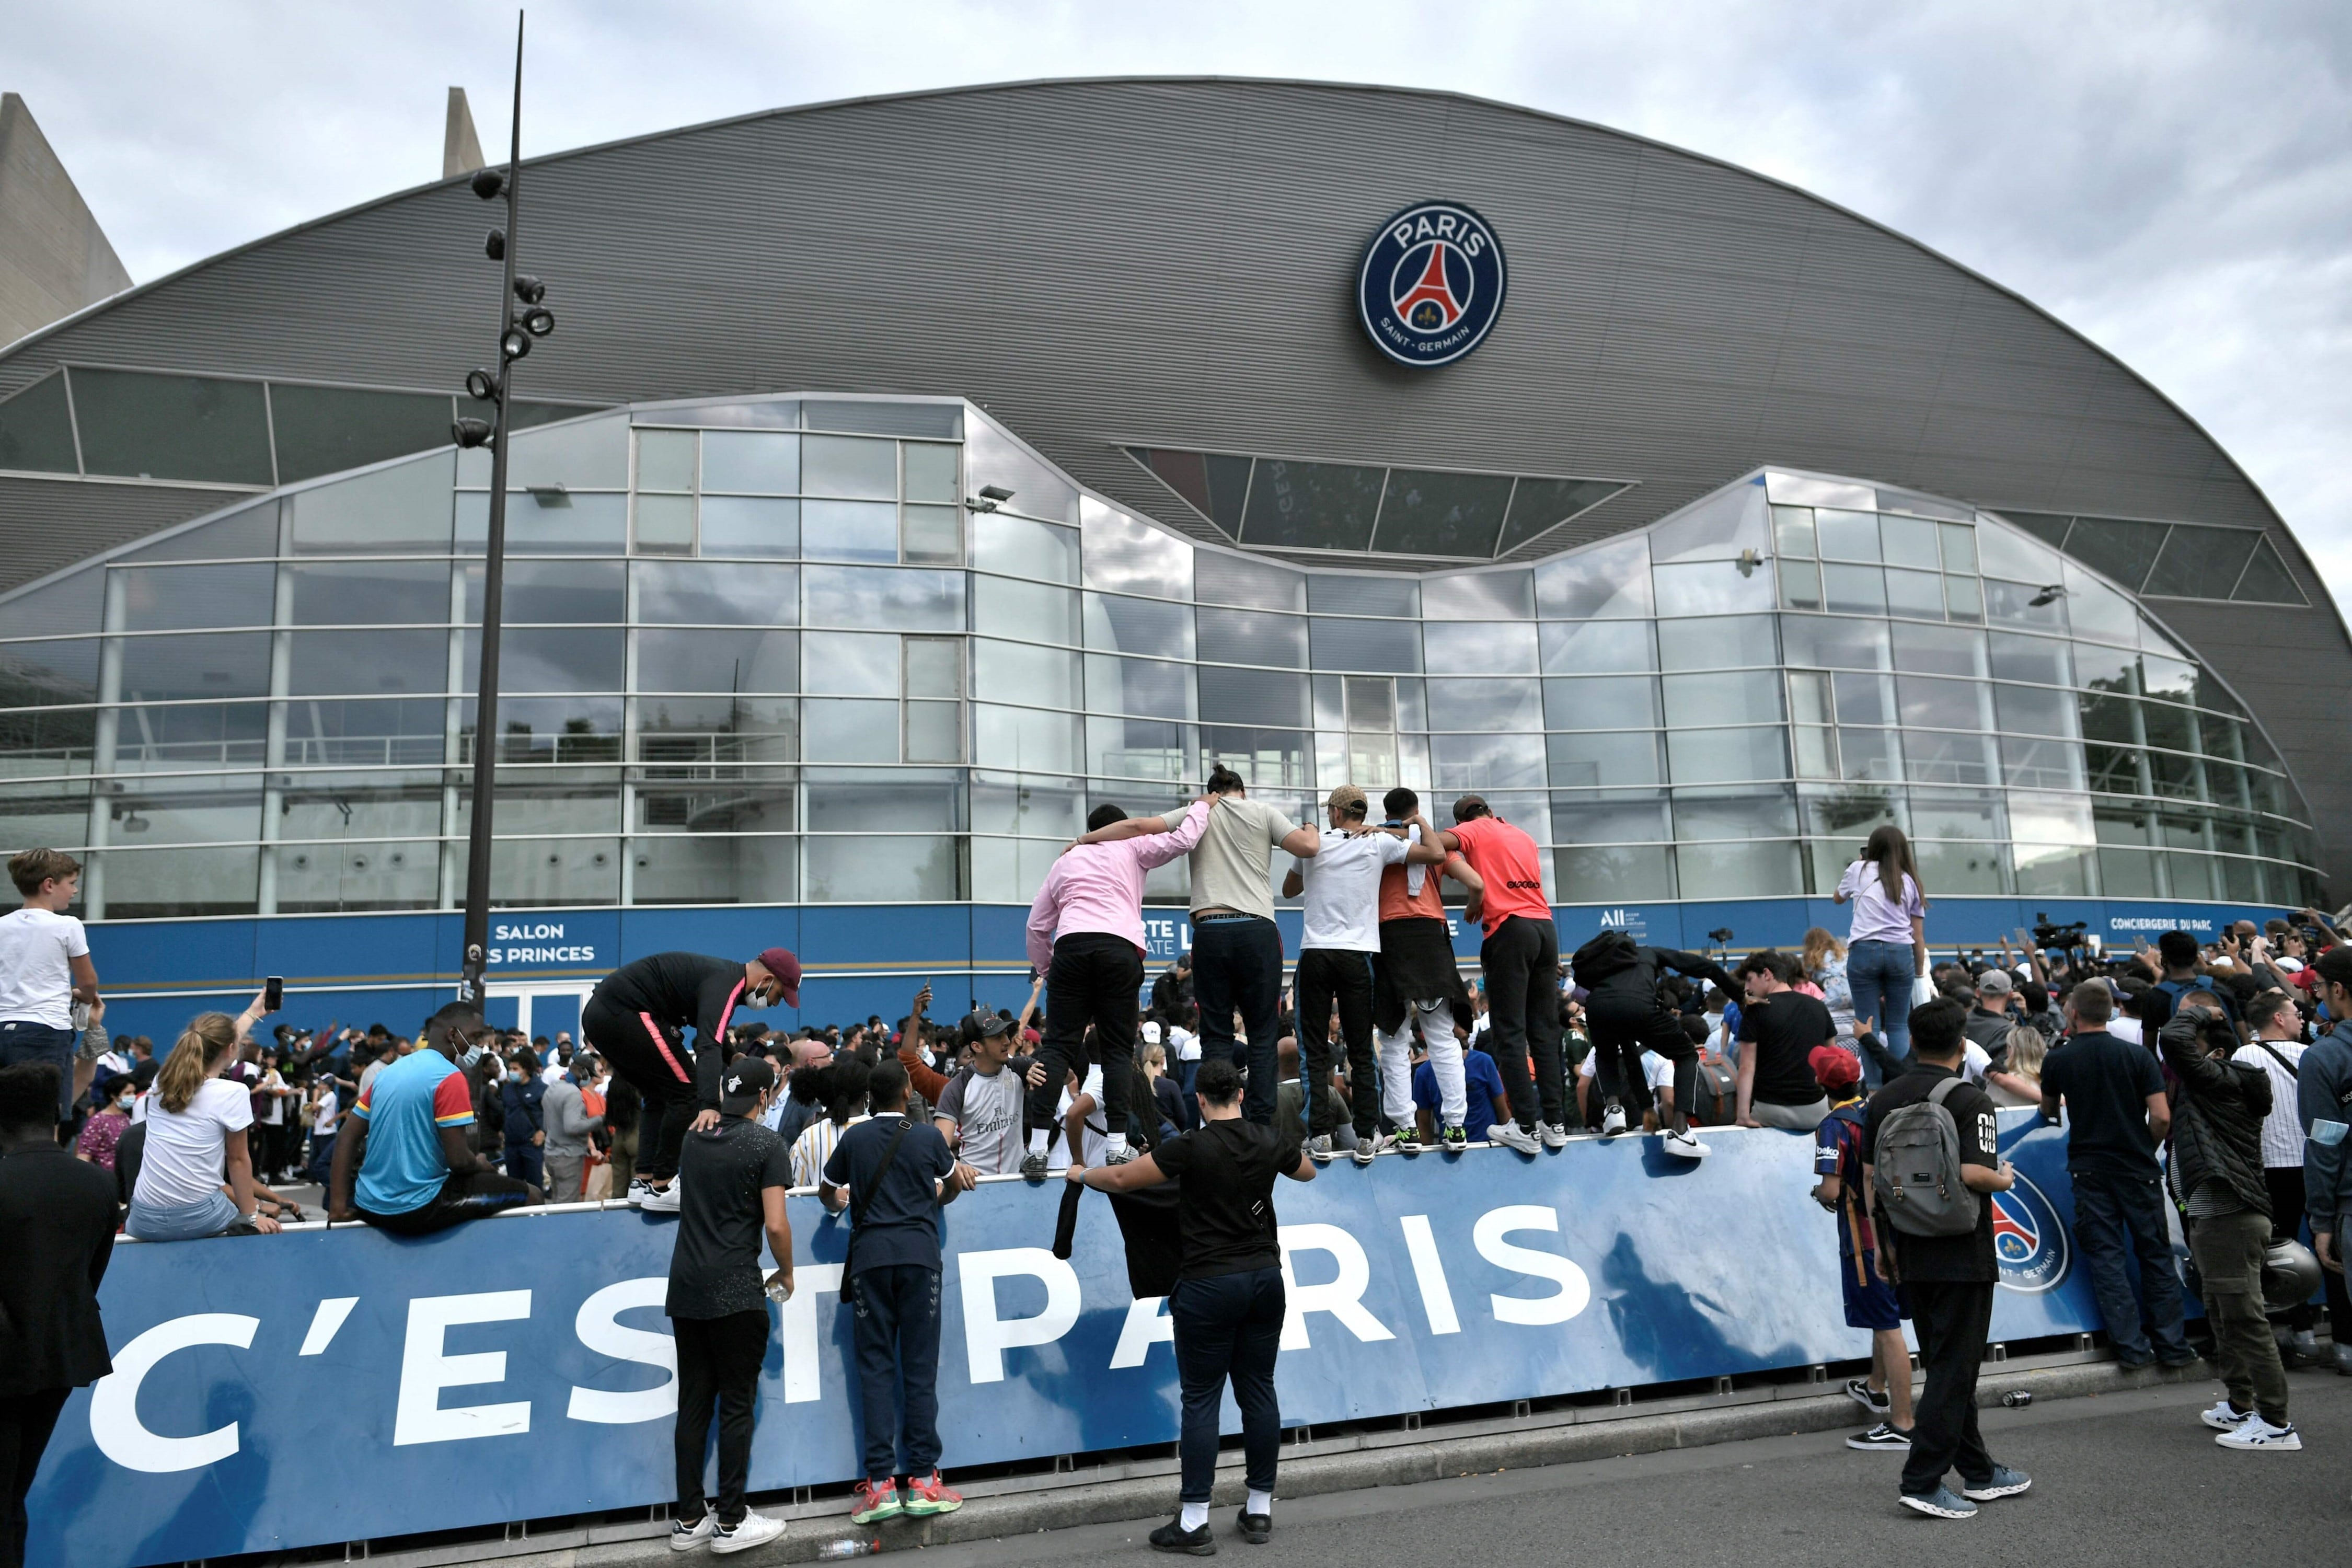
(1432, 284)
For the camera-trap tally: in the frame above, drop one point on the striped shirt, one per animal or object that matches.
(814, 1146)
(2283, 1128)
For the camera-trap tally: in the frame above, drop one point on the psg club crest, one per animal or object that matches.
(1432, 284)
(2028, 1241)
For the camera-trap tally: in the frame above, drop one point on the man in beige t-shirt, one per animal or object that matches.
(1236, 949)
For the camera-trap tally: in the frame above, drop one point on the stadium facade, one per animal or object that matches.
(908, 475)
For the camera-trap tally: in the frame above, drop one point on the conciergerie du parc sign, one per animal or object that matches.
(1432, 284)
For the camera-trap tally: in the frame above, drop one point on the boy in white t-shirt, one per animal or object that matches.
(44, 968)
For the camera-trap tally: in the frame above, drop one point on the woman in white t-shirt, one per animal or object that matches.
(195, 1176)
(1887, 947)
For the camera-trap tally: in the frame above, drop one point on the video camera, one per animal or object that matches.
(2048, 936)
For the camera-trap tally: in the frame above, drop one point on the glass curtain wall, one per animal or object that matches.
(803, 649)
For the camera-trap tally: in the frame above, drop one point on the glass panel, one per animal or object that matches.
(882, 870)
(2267, 581)
(1600, 581)
(2201, 562)
(169, 884)
(2095, 609)
(852, 664)
(1600, 759)
(1145, 687)
(1970, 817)
(1801, 585)
(724, 659)
(1727, 756)
(173, 426)
(2121, 550)
(664, 525)
(1036, 611)
(44, 815)
(1539, 505)
(1138, 626)
(1964, 599)
(2055, 871)
(1245, 637)
(191, 735)
(993, 458)
(1222, 579)
(1961, 868)
(548, 522)
(1835, 643)
(1809, 489)
(160, 669)
(2172, 728)
(585, 455)
(1712, 588)
(1487, 761)
(1959, 542)
(1372, 705)
(1944, 759)
(1430, 513)
(930, 473)
(2012, 605)
(1214, 484)
(849, 531)
(1603, 703)
(667, 460)
(57, 741)
(1479, 596)
(2116, 770)
(1044, 675)
(401, 510)
(846, 467)
(1607, 874)
(1389, 645)
(1124, 555)
(1808, 697)
(1717, 645)
(373, 593)
(935, 732)
(1919, 593)
(698, 732)
(707, 868)
(1939, 650)
(360, 660)
(329, 429)
(1141, 748)
(538, 729)
(221, 809)
(695, 593)
(1717, 528)
(331, 808)
(1792, 531)
(1943, 704)
(882, 418)
(1751, 871)
(247, 532)
(1503, 648)
(1619, 821)
(1864, 698)
(541, 659)
(1749, 698)
(553, 592)
(36, 428)
(1024, 738)
(1907, 540)
(844, 731)
(2042, 659)
(1362, 594)
(748, 525)
(2041, 765)
(931, 535)
(757, 462)
(1486, 705)
(1020, 548)
(1597, 647)
(1312, 506)
(1847, 535)
(1758, 816)
(1256, 696)
(1854, 590)
(2008, 554)
(912, 599)
(174, 598)
(396, 733)
(2191, 875)
(2172, 677)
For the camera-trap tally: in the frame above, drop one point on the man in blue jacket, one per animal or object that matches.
(2323, 1102)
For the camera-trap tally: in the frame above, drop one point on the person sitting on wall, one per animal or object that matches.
(405, 1140)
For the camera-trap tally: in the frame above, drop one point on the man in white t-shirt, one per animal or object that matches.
(1341, 884)
(979, 1111)
(44, 968)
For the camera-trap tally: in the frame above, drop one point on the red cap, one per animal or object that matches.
(785, 965)
(1835, 1066)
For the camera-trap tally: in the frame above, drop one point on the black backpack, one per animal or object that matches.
(1611, 952)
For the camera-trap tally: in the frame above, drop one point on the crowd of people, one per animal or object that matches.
(1232, 1069)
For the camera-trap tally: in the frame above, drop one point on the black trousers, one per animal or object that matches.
(1619, 1038)
(477, 1195)
(653, 1057)
(1522, 964)
(1237, 963)
(1228, 1327)
(1094, 979)
(1327, 974)
(26, 1423)
(718, 1363)
(1952, 1321)
(896, 1333)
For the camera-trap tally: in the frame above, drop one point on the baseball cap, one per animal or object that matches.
(1996, 981)
(785, 965)
(1835, 1066)
(1151, 1031)
(983, 1025)
(1348, 801)
(746, 1079)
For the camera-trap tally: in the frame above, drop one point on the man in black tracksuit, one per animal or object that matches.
(1621, 1009)
(638, 1020)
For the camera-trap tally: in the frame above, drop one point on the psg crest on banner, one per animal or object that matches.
(1432, 284)
(2028, 1241)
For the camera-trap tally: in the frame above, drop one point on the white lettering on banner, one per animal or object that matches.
(1145, 1327)
(326, 1322)
(1575, 1290)
(425, 1371)
(1429, 1273)
(986, 1338)
(2158, 924)
(1343, 1297)
(600, 1329)
(114, 1424)
(796, 1327)
(541, 932)
(577, 954)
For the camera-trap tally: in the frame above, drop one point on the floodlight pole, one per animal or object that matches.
(494, 572)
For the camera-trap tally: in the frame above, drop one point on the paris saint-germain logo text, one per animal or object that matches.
(1432, 284)
(2028, 1241)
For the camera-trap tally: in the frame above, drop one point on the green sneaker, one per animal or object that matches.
(1455, 1140)
(876, 1501)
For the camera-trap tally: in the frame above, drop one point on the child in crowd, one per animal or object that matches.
(1840, 1150)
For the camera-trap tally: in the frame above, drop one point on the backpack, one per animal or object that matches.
(1917, 1163)
(1610, 953)
(1715, 1092)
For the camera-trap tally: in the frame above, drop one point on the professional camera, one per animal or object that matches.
(2066, 938)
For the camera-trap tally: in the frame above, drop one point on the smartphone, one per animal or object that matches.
(273, 993)
(2024, 939)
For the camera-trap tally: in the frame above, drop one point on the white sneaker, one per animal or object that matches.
(1613, 1121)
(1510, 1135)
(658, 1200)
(638, 1191)
(1685, 1143)
(2255, 1434)
(2222, 1418)
(753, 1529)
(1553, 1134)
(1369, 1148)
(686, 1538)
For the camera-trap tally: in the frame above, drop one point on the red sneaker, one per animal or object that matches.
(875, 1501)
(930, 1495)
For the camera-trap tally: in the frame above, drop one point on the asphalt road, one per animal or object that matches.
(2126, 1479)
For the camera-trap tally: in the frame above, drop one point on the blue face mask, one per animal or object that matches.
(473, 1054)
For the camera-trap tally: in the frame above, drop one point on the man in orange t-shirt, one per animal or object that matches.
(1521, 960)
(1417, 977)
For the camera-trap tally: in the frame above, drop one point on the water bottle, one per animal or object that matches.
(2017, 1398)
(852, 1548)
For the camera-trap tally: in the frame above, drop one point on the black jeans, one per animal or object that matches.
(1228, 1326)
(27, 1419)
(718, 1363)
(477, 1195)
(2110, 1210)
(653, 1058)
(1325, 975)
(1094, 979)
(1618, 1041)
(1951, 1321)
(1237, 963)
(1522, 964)
(897, 1333)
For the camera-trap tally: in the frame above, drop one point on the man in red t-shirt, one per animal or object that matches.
(1521, 960)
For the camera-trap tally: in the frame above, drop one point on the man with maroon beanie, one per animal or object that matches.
(1521, 960)
(638, 1020)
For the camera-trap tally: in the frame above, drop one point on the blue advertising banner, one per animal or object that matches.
(324, 1386)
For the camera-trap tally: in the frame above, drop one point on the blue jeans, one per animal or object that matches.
(1880, 974)
(523, 1164)
(22, 1040)
(897, 1331)
(322, 1166)
(2108, 1210)
(1238, 963)
(182, 1222)
(1228, 1326)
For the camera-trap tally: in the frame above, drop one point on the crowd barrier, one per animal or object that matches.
(325, 1386)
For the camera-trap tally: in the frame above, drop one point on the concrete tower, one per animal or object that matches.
(54, 258)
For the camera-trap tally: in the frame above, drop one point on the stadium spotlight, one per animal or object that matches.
(539, 321)
(529, 289)
(473, 432)
(2050, 593)
(482, 386)
(489, 184)
(495, 246)
(991, 497)
(514, 343)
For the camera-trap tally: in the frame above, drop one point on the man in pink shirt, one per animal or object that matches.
(1085, 937)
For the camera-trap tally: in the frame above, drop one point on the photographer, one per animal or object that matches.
(2217, 1176)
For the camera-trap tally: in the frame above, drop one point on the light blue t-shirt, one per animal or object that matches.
(406, 1109)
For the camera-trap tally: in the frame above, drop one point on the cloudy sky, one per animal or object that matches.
(2174, 180)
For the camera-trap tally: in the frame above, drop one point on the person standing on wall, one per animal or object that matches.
(1237, 948)
(44, 968)
(1887, 947)
(733, 1178)
(1520, 958)
(1085, 937)
(1417, 980)
(1228, 1305)
(1621, 981)
(637, 1021)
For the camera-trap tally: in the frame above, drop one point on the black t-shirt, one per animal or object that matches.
(2104, 1083)
(714, 1266)
(1782, 1029)
(898, 1220)
(1226, 1209)
(1966, 1259)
